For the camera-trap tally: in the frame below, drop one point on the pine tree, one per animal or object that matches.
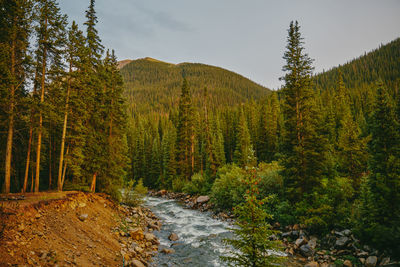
(244, 153)
(252, 234)
(352, 150)
(185, 134)
(14, 43)
(50, 35)
(303, 151)
(381, 212)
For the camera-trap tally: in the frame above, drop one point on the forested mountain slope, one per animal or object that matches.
(153, 85)
(383, 63)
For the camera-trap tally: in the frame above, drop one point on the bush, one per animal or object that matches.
(228, 188)
(197, 186)
(271, 180)
(133, 195)
(178, 184)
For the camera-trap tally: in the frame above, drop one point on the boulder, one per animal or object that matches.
(306, 250)
(342, 241)
(202, 199)
(173, 237)
(346, 232)
(371, 261)
(83, 217)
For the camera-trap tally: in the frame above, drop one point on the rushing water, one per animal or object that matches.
(200, 236)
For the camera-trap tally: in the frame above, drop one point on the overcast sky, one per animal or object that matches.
(245, 36)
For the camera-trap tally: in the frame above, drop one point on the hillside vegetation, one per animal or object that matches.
(154, 86)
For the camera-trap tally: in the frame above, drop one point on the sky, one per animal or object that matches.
(244, 36)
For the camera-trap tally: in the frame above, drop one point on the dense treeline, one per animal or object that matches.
(62, 115)
(154, 86)
(329, 154)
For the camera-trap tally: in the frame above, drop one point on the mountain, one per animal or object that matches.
(383, 63)
(154, 86)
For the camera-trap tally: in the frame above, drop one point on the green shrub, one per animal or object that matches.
(271, 180)
(70, 186)
(133, 195)
(197, 186)
(229, 187)
(178, 184)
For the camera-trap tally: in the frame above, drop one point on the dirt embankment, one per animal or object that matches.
(74, 229)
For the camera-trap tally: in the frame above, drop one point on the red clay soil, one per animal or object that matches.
(48, 229)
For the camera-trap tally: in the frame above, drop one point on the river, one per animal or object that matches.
(201, 237)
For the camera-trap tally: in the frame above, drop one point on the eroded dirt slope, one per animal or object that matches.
(74, 229)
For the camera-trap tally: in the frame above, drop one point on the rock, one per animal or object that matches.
(347, 263)
(346, 232)
(173, 237)
(83, 217)
(341, 242)
(312, 264)
(306, 251)
(202, 199)
(296, 227)
(286, 234)
(300, 241)
(312, 243)
(150, 237)
(21, 228)
(362, 260)
(139, 249)
(371, 261)
(128, 220)
(167, 250)
(136, 263)
(161, 192)
(385, 261)
(136, 234)
(37, 216)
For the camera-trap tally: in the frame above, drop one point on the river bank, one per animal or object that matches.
(74, 229)
(338, 248)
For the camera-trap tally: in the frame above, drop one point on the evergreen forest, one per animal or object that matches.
(326, 146)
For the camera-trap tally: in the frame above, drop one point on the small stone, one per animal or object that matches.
(362, 260)
(21, 228)
(296, 227)
(371, 261)
(37, 216)
(202, 199)
(173, 237)
(385, 261)
(306, 251)
(313, 242)
(136, 234)
(128, 220)
(341, 242)
(312, 264)
(136, 263)
(167, 250)
(347, 263)
(138, 249)
(149, 236)
(83, 217)
(299, 242)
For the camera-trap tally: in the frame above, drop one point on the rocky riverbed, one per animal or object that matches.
(339, 248)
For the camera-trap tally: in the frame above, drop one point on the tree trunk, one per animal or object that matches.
(93, 185)
(10, 134)
(39, 140)
(28, 157)
(64, 171)
(50, 178)
(60, 180)
(28, 154)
